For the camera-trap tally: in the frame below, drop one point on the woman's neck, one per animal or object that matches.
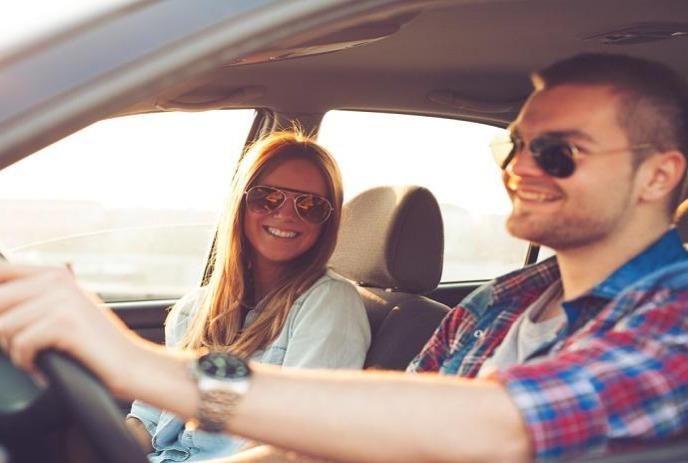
(266, 276)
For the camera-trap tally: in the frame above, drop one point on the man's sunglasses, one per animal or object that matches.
(553, 155)
(309, 207)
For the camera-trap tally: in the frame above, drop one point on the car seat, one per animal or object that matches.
(390, 245)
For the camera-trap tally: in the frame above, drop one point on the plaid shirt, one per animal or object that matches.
(617, 371)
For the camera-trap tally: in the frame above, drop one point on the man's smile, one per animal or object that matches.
(531, 192)
(535, 196)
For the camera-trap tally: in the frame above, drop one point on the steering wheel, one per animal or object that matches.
(74, 395)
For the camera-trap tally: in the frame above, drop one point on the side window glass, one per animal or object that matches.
(545, 253)
(129, 204)
(452, 159)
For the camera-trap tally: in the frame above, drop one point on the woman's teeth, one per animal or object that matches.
(281, 233)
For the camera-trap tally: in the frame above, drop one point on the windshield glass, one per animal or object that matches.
(28, 21)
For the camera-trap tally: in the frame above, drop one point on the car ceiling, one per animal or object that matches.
(481, 52)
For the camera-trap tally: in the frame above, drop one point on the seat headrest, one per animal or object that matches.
(391, 237)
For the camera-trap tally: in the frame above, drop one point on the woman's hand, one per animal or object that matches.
(44, 308)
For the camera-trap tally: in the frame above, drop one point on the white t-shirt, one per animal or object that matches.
(527, 334)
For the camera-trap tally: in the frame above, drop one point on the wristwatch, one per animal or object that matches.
(222, 381)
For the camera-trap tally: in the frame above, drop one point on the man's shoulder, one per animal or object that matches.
(659, 299)
(669, 282)
(674, 275)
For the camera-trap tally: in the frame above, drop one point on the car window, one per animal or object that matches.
(20, 22)
(449, 157)
(129, 204)
(545, 253)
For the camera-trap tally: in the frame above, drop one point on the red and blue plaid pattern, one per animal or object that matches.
(618, 372)
(472, 331)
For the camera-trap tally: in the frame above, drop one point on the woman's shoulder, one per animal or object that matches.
(332, 311)
(330, 291)
(180, 314)
(331, 281)
(188, 304)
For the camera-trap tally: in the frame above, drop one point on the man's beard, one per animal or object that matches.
(565, 231)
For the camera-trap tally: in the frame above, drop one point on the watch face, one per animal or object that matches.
(223, 366)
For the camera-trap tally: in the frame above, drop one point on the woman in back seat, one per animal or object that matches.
(270, 296)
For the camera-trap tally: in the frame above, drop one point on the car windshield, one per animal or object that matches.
(26, 22)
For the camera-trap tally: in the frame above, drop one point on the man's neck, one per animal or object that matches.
(583, 268)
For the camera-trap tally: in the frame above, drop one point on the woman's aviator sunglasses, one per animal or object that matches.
(555, 156)
(309, 207)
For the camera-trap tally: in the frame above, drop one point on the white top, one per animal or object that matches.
(527, 334)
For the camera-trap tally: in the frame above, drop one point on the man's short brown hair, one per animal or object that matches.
(653, 98)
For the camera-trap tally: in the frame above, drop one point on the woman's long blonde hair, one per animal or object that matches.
(217, 323)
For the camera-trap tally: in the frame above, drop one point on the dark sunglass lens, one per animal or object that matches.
(263, 200)
(313, 208)
(553, 156)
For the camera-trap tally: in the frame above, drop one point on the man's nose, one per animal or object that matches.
(523, 164)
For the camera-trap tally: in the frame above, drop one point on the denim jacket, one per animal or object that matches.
(326, 327)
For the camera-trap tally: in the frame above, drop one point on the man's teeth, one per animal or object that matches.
(281, 233)
(535, 196)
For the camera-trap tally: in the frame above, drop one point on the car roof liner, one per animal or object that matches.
(337, 40)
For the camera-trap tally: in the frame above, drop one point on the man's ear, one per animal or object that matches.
(660, 174)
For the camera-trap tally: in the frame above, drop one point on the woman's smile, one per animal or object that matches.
(280, 233)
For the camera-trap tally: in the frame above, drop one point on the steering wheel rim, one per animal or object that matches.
(92, 408)
(80, 398)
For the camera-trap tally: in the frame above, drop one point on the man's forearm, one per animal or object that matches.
(268, 454)
(159, 377)
(352, 415)
(356, 416)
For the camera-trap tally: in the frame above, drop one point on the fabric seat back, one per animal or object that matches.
(390, 244)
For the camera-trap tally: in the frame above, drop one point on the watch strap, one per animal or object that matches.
(215, 408)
